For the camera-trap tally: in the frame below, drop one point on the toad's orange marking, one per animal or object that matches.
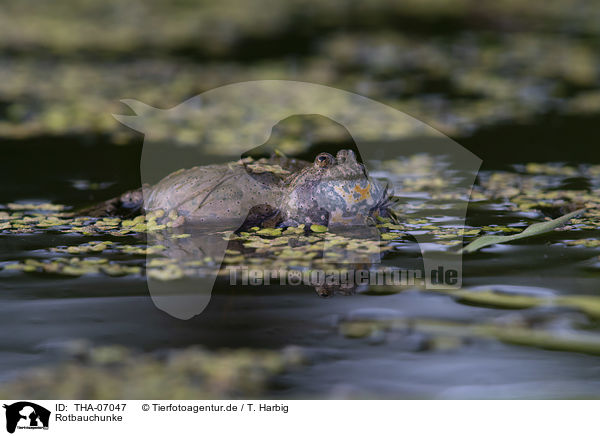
(363, 192)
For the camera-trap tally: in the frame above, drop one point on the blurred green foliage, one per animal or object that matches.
(457, 65)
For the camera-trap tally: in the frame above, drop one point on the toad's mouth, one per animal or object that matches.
(386, 207)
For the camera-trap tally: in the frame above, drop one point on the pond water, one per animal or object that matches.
(419, 344)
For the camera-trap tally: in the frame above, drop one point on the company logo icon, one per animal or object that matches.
(26, 415)
(222, 125)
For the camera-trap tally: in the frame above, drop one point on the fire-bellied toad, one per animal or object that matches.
(332, 191)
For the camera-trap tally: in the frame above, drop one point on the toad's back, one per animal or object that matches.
(214, 192)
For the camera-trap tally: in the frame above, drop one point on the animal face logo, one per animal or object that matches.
(217, 196)
(26, 415)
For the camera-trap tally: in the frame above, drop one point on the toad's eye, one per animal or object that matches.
(324, 160)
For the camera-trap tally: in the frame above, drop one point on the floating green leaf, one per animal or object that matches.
(496, 299)
(532, 230)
